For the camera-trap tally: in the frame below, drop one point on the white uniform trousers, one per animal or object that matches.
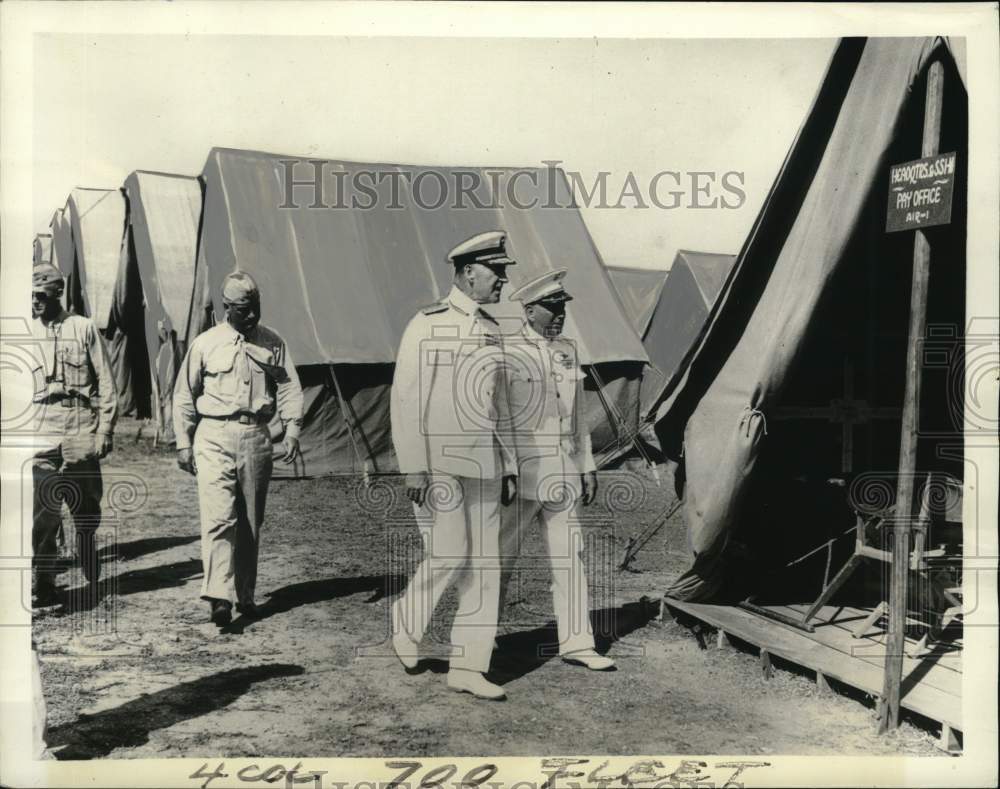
(234, 469)
(460, 527)
(565, 544)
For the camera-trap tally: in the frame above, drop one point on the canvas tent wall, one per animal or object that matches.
(815, 316)
(63, 251)
(97, 219)
(668, 309)
(679, 314)
(639, 291)
(155, 284)
(340, 284)
(42, 249)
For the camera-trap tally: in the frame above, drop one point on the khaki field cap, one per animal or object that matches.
(546, 288)
(488, 248)
(239, 287)
(46, 277)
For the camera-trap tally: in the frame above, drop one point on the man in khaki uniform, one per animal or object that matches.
(234, 377)
(556, 470)
(449, 417)
(74, 389)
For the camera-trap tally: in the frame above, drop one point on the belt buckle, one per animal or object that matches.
(246, 419)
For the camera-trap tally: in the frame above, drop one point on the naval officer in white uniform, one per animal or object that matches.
(449, 416)
(556, 470)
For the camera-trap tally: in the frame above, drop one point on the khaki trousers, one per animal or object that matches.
(565, 544)
(234, 470)
(71, 474)
(460, 527)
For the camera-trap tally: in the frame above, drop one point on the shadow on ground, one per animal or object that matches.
(287, 598)
(149, 579)
(129, 726)
(518, 654)
(127, 551)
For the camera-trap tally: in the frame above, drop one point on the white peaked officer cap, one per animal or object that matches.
(489, 248)
(547, 287)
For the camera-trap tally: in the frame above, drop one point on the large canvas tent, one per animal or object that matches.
(63, 251)
(97, 221)
(669, 310)
(340, 284)
(814, 317)
(154, 286)
(42, 249)
(639, 290)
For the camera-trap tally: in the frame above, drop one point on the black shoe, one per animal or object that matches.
(222, 612)
(249, 610)
(44, 596)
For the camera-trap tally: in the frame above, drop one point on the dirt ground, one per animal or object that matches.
(141, 673)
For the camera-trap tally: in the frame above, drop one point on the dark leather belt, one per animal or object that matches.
(243, 419)
(73, 401)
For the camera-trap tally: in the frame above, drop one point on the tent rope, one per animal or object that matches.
(747, 418)
(623, 435)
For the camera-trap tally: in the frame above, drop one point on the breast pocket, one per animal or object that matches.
(527, 401)
(220, 376)
(76, 368)
(265, 374)
(264, 360)
(567, 382)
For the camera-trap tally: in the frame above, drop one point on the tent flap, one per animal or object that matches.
(825, 213)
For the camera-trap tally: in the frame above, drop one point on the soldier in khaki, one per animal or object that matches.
(75, 390)
(449, 416)
(234, 377)
(556, 470)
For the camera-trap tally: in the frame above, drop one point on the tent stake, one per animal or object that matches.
(889, 711)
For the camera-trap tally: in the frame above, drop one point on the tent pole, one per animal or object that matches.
(889, 707)
(613, 415)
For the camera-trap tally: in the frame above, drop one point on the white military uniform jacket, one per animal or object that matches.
(546, 404)
(449, 405)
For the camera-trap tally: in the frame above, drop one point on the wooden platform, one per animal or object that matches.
(932, 685)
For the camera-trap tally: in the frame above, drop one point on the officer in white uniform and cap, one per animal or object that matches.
(233, 379)
(449, 426)
(556, 470)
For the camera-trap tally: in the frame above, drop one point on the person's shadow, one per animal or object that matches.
(129, 725)
(518, 654)
(127, 551)
(283, 600)
(88, 596)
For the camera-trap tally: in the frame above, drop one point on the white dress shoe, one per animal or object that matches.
(590, 659)
(406, 650)
(475, 683)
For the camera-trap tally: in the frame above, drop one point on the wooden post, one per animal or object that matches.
(889, 712)
(765, 664)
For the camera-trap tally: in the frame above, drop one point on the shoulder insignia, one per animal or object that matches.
(436, 307)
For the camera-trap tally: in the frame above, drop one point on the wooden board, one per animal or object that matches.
(809, 650)
(833, 626)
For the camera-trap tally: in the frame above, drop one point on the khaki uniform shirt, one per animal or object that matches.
(226, 374)
(449, 398)
(546, 402)
(73, 375)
